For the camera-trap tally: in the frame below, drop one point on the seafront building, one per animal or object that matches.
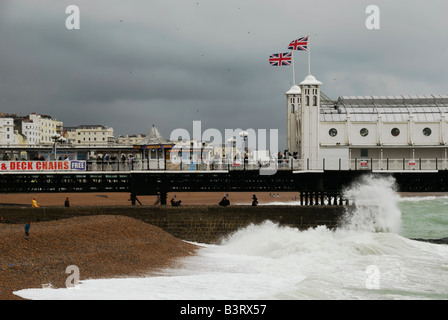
(48, 127)
(90, 135)
(7, 136)
(32, 130)
(376, 132)
(130, 140)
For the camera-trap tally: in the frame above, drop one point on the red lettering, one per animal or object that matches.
(30, 165)
(50, 166)
(38, 165)
(45, 166)
(3, 166)
(12, 166)
(60, 165)
(66, 167)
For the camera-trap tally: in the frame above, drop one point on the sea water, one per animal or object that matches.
(371, 256)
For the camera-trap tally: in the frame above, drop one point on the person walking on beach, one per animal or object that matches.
(67, 202)
(254, 200)
(27, 230)
(34, 203)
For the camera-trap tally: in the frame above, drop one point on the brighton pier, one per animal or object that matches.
(330, 144)
(323, 185)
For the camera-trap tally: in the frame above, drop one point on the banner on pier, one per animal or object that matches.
(42, 166)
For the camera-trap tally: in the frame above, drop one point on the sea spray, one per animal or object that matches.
(374, 205)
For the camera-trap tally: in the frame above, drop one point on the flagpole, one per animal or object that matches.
(293, 71)
(309, 54)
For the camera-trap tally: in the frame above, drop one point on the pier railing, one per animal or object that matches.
(290, 164)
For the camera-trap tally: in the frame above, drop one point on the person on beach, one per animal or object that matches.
(158, 200)
(175, 203)
(27, 230)
(67, 202)
(254, 200)
(224, 202)
(34, 203)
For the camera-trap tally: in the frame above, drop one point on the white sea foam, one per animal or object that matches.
(375, 205)
(268, 261)
(422, 198)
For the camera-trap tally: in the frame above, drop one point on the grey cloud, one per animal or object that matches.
(134, 63)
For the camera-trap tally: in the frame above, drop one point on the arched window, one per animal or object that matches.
(292, 108)
(307, 100)
(314, 100)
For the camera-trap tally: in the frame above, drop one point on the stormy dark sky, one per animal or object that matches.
(170, 62)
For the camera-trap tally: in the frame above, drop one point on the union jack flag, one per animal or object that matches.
(300, 44)
(280, 59)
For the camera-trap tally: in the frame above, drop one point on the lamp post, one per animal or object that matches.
(231, 143)
(243, 135)
(57, 139)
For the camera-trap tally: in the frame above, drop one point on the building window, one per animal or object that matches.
(364, 132)
(307, 100)
(333, 132)
(314, 100)
(427, 132)
(292, 108)
(395, 132)
(364, 153)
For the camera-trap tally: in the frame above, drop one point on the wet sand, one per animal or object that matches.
(123, 199)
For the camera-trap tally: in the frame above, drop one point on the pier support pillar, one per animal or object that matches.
(163, 198)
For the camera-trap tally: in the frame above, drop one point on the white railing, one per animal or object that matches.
(290, 164)
(403, 164)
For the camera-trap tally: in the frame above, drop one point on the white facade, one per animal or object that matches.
(303, 107)
(48, 127)
(7, 136)
(90, 135)
(31, 132)
(333, 134)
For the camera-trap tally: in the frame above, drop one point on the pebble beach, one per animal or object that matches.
(100, 246)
